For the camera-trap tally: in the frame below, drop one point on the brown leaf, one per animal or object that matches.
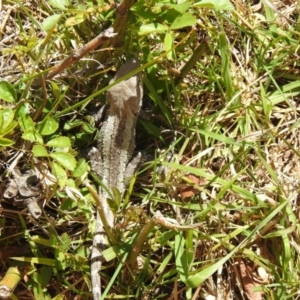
(248, 281)
(189, 191)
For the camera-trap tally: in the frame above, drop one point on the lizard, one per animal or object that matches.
(113, 160)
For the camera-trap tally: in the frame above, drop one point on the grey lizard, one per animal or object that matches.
(112, 159)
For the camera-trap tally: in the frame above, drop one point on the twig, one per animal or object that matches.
(45, 99)
(119, 26)
(94, 43)
(136, 249)
(9, 282)
(159, 219)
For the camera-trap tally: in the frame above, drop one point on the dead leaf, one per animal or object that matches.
(248, 281)
(188, 190)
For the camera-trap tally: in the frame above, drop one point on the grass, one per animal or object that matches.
(224, 89)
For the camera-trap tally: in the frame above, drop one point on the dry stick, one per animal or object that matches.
(4, 20)
(157, 219)
(45, 99)
(119, 26)
(136, 249)
(9, 282)
(94, 43)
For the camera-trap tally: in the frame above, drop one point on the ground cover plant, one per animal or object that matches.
(213, 213)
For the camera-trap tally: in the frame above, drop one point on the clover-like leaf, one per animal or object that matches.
(64, 159)
(7, 92)
(32, 136)
(61, 142)
(26, 123)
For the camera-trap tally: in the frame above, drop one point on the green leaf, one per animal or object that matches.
(153, 27)
(61, 142)
(182, 7)
(60, 174)
(65, 241)
(180, 257)
(225, 65)
(219, 137)
(79, 18)
(7, 92)
(168, 45)
(58, 297)
(5, 142)
(64, 159)
(81, 168)
(215, 4)
(6, 121)
(26, 123)
(114, 203)
(37, 239)
(184, 20)
(36, 260)
(39, 151)
(117, 197)
(50, 22)
(45, 274)
(6, 117)
(33, 136)
(70, 125)
(61, 4)
(23, 109)
(9, 128)
(49, 126)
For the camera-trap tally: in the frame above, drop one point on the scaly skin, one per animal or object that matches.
(112, 161)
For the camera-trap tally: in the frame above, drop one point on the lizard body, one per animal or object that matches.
(112, 160)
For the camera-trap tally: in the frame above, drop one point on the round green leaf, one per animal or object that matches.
(7, 93)
(49, 126)
(65, 159)
(39, 151)
(26, 123)
(61, 142)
